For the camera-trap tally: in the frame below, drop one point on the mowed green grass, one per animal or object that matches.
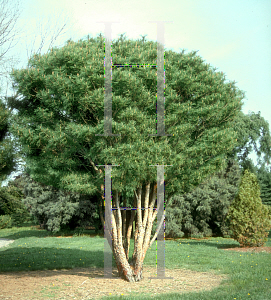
(249, 273)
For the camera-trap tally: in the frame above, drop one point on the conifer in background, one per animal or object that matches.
(186, 214)
(264, 177)
(64, 104)
(249, 218)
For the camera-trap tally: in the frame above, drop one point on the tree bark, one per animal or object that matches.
(132, 270)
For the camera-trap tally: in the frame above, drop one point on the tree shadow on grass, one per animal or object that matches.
(41, 233)
(49, 258)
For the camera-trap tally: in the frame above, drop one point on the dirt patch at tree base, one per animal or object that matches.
(81, 284)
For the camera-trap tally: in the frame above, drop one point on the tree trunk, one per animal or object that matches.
(131, 270)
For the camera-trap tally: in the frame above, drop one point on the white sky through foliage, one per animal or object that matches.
(233, 36)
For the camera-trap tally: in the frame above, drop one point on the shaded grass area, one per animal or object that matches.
(250, 273)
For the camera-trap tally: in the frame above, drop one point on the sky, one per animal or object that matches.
(233, 36)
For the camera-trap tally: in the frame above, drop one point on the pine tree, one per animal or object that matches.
(249, 218)
(64, 104)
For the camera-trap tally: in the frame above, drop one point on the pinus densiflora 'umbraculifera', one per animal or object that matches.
(61, 121)
(249, 218)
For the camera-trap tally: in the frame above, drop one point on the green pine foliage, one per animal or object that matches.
(56, 210)
(202, 212)
(249, 219)
(63, 101)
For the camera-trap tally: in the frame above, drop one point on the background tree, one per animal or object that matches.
(11, 33)
(7, 164)
(11, 156)
(264, 177)
(249, 218)
(202, 212)
(64, 104)
(12, 211)
(192, 214)
(251, 128)
(54, 209)
(8, 31)
(8, 19)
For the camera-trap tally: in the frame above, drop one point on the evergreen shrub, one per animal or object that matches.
(5, 221)
(11, 205)
(57, 210)
(249, 218)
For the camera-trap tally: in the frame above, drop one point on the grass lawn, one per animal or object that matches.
(249, 273)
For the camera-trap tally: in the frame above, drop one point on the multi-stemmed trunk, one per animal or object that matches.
(132, 270)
